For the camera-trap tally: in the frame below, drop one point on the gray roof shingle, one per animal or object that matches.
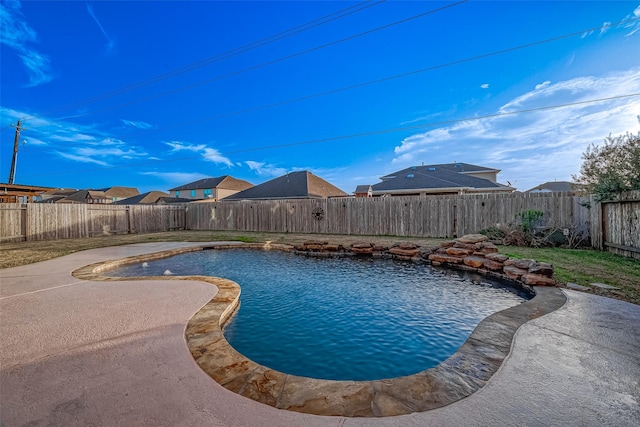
(553, 186)
(144, 198)
(226, 182)
(453, 175)
(452, 167)
(294, 185)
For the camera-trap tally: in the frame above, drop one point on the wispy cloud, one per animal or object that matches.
(207, 153)
(110, 152)
(542, 85)
(264, 169)
(484, 86)
(138, 124)
(72, 141)
(18, 35)
(633, 27)
(534, 146)
(82, 159)
(176, 177)
(111, 44)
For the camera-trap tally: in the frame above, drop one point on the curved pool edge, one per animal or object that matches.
(459, 376)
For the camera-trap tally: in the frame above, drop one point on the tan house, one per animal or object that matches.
(211, 188)
(119, 193)
(363, 191)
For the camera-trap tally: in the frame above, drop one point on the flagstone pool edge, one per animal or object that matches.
(459, 376)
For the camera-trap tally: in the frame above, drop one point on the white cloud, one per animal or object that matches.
(18, 34)
(536, 146)
(82, 159)
(633, 27)
(177, 177)
(605, 27)
(72, 141)
(138, 124)
(263, 169)
(208, 153)
(543, 84)
(111, 44)
(34, 141)
(485, 86)
(109, 152)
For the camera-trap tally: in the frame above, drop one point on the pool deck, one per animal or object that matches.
(78, 352)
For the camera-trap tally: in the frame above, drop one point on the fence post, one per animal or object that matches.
(128, 216)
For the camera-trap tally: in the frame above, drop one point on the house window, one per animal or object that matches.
(193, 193)
(177, 193)
(207, 192)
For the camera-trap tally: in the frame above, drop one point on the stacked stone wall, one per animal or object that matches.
(469, 252)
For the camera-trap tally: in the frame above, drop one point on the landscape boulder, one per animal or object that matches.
(472, 238)
(537, 280)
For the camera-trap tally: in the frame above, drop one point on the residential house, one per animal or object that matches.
(119, 193)
(151, 198)
(363, 191)
(17, 193)
(294, 185)
(210, 188)
(87, 196)
(450, 178)
(553, 187)
(56, 194)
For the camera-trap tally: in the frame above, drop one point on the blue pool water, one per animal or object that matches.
(343, 318)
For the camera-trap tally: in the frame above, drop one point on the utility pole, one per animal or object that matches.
(14, 159)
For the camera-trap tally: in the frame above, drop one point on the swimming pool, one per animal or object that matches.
(343, 318)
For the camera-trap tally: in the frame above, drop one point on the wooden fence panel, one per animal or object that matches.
(441, 216)
(44, 221)
(615, 225)
(12, 222)
(620, 225)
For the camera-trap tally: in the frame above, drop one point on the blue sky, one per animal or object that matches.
(155, 94)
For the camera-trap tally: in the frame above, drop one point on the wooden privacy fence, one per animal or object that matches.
(426, 216)
(43, 221)
(615, 225)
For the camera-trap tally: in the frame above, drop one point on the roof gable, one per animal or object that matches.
(432, 177)
(223, 182)
(362, 189)
(294, 185)
(144, 198)
(553, 186)
(119, 192)
(451, 167)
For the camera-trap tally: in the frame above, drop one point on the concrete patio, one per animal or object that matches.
(77, 352)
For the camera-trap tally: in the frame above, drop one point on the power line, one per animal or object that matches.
(225, 55)
(381, 80)
(274, 61)
(358, 135)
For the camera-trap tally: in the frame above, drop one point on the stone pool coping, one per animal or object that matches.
(457, 377)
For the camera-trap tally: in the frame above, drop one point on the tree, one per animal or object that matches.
(611, 168)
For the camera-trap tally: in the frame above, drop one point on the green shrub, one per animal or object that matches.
(493, 233)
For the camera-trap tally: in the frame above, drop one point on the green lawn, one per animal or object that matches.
(583, 266)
